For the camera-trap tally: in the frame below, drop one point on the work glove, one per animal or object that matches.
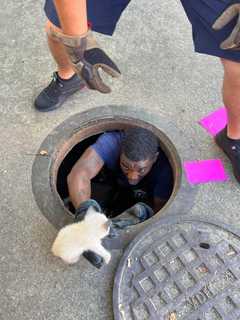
(136, 214)
(81, 211)
(87, 57)
(95, 259)
(233, 41)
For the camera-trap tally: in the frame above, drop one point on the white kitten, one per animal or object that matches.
(76, 238)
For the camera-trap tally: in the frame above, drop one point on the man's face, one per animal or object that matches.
(136, 170)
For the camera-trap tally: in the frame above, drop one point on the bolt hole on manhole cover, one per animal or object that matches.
(180, 269)
(204, 245)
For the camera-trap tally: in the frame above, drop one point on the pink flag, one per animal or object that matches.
(215, 121)
(204, 171)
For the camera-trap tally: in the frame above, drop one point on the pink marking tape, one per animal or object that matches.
(204, 171)
(215, 121)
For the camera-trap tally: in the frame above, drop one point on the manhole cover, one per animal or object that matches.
(180, 269)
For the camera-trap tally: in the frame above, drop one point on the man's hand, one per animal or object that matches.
(95, 259)
(136, 214)
(233, 41)
(86, 58)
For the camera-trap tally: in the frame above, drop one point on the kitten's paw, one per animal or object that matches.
(70, 260)
(107, 258)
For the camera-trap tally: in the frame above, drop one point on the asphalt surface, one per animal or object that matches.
(153, 48)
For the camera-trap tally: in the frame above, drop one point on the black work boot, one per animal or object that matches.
(231, 148)
(54, 95)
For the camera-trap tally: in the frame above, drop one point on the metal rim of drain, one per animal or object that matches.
(85, 124)
(180, 268)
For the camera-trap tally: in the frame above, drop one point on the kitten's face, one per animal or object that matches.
(99, 221)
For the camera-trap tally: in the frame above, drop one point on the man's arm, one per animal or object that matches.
(79, 179)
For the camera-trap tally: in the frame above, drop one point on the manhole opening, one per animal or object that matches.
(74, 148)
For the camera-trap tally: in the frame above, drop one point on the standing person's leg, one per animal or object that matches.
(231, 96)
(73, 16)
(229, 138)
(81, 46)
(64, 67)
(202, 15)
(64, 83)
(73, 22)
(103, 17)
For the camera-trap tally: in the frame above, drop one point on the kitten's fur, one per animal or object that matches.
(76, 238)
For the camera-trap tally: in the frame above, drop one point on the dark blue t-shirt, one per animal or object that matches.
(157, 183)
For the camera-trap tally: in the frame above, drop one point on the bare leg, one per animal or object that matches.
(73, 16)
(59, 54)
(231, 96)
(73, 19)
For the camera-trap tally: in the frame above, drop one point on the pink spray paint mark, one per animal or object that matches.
(215, 121)
(204, 171)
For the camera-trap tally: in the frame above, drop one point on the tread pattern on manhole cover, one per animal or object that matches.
(187, 270)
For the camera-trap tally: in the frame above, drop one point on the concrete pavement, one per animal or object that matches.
(154, 51)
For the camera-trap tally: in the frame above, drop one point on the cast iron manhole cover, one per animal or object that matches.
(180, 269)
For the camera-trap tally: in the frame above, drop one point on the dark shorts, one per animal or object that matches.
(103, 16)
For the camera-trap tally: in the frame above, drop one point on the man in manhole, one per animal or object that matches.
(136, 182)
(216, 31)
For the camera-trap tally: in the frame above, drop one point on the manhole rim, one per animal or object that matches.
(42, 166)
